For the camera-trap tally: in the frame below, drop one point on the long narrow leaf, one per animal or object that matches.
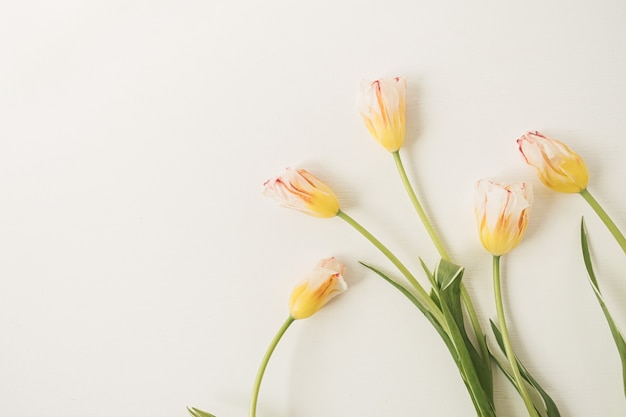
(454, 341)
(466, 369)
(448, 278)
(548, 403)
(615, 332)
(434, 293)
(198, 413)
(416, 302)
(429, 275)
(510, 377)
(446, 283)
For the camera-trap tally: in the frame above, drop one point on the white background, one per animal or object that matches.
(141, 269)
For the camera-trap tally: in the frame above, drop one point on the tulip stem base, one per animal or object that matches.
(264, 362)
(606, 219)
(508, 348)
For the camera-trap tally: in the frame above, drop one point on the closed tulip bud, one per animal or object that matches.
(323, 283)
(382, 105)
(300, 190)
(558, 167)
(502, 214)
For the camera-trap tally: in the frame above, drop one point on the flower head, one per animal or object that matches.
(324, 282)
(558, 167)
(502, 214)
(383, 108)
(300, 190)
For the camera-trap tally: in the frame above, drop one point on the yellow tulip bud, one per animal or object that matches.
(300, 190)
(382, 105)
(558, 167)
(502, 214)
(322, 284)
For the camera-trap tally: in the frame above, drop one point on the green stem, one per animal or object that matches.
(508, 348)
(467, 301)
(418, 207)
(604, 216)
(423, 295)
(264, 361)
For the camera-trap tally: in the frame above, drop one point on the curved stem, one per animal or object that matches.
(264, 361)
(418, 207)
(606, 219)
(467, 301)
(508, 348)
(423, 295)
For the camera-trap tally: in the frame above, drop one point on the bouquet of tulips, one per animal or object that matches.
(502, 214)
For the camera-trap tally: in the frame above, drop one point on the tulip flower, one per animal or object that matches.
(300, 190)
(383, 108)
(562, 169)
(323, 283)
(502, 214)
(558, 167)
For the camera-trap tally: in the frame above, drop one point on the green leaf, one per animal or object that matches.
(450, 277)
(429, 274)
(198, 413)
(434, 295)
(449, 344)
(447, 278)
(448, 274)
(615, 332)
(548, 403)
(417, 303)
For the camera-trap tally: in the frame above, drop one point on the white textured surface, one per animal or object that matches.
(142, 271)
